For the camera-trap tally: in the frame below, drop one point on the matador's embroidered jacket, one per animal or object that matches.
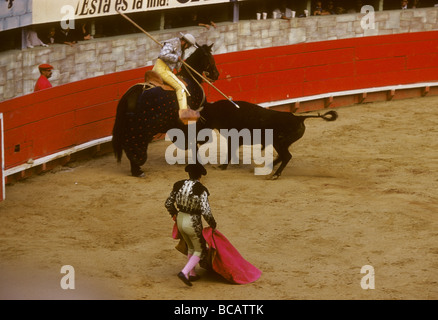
(191, 197)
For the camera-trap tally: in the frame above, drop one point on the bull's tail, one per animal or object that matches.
(328, 116)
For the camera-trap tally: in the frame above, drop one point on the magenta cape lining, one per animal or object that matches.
(225, 259)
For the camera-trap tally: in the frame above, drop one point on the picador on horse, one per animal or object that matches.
(164, 101)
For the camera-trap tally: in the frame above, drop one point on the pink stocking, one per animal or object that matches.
(192, 272)
(191, 264)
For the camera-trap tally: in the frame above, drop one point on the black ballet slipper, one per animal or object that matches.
(184, 279)
(194, 278)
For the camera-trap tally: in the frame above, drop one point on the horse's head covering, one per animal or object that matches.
(189, 38)
(196, 168)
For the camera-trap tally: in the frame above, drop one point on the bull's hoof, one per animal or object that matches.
(138, 174)
(141, 175)
(223, 167)
(186, 115)
(275, 177)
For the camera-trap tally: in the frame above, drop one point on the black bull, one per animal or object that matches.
(287, 127)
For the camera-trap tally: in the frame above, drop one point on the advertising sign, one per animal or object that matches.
(44, 11)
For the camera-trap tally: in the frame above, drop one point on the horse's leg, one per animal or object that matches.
(136, 170)
(138, 160)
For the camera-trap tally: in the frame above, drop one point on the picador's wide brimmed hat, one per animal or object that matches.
(196, 168)
(189, 38)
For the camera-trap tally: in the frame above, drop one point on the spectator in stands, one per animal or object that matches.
(66, 36)
(202, 21)
(404, 4)
(32, 39)
(83, 33)
(331, 7)
(319, 10)
(43, 81)
(51, 37)
(99, 30)
(283, 12)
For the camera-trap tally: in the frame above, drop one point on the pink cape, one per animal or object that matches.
(225, 259)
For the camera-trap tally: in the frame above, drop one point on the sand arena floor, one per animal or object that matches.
(359, 191)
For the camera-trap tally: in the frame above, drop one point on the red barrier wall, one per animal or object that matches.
(320, 67)
(2, 178)
(48, 121)
(44, 122)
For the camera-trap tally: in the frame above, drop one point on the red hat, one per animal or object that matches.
(45, 66)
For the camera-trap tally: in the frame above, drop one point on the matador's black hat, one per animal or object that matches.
(196, 168)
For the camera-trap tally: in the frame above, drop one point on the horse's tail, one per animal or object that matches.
(126, 104)
(118, 131)
(328, 116)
